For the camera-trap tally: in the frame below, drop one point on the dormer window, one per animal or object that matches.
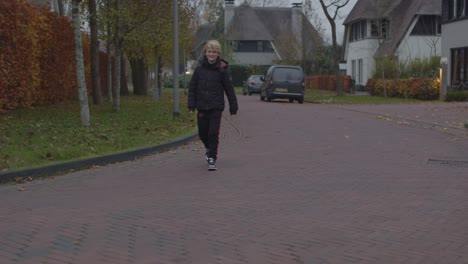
(379, 28)
(358, 31)
(252, 46)
(427, 25)
(457, 9)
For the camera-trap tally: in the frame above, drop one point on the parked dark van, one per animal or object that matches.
(283, 82)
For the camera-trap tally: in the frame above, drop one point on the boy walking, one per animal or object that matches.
(210, 81)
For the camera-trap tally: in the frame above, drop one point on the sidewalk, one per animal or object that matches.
(446, 117)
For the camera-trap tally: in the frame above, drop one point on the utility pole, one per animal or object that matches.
(175, 69)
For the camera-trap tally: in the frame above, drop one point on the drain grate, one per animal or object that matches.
(448, 163)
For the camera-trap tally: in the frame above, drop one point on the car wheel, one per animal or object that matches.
(291, 100)
(301, 100)
(262, 98)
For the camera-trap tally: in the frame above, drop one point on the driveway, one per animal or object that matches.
(295, 183)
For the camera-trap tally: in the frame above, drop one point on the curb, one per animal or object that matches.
(52, 170)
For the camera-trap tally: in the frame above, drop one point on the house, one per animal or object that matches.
(401, 29)
(454, 44)
(266, 35)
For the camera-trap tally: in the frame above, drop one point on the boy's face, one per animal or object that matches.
(211, 55)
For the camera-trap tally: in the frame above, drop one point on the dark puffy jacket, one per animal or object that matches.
(208, 84)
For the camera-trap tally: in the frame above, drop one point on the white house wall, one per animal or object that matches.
(256, 58)
(453, 38)
(364, 49)
(413, 47)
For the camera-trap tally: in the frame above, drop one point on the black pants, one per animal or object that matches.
(209, 124)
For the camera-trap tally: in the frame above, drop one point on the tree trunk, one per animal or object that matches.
(139, 76)
(383, 78)
(109, 70)
(159, 75)
(109, 55)
(60, 7)
(95, 74)
(116, 99)
(118, 62)
(336, 53)
(80, 71)
(123, 77)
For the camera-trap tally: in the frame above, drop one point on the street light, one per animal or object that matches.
(175, 69)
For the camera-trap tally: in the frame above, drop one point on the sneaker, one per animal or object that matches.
(211, 164)
(206, 154)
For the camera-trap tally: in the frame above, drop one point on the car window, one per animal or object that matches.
(290, 75)
(256, 79)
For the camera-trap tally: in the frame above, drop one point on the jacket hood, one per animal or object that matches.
(220, 63)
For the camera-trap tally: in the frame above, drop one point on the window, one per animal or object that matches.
(459, 65)
(288, 75)
(379, 28)
(353, 70)
(358, 30)
(427, 25)
(252, 46)
(460, 11)
(457, 8)
(361, 69)
(357, 71)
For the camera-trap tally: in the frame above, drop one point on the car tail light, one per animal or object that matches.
(303, 85)
(271, 83)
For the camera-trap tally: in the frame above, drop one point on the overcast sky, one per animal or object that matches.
(339, 24)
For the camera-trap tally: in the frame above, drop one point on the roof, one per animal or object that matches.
(204, 33)
(248, 25)
(269, 23)
(400, 13)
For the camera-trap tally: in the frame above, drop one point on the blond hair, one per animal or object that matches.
(213, 45)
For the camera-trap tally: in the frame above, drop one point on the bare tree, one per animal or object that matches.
(311, 12)
(60, 7)
(211, 10)
(80, 71)
(331, 9)
(379, 29)
(95, 75)
(118, 59)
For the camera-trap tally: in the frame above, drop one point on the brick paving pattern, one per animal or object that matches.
(296, 183)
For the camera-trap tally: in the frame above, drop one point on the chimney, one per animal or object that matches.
(228, 14)
(296, 23)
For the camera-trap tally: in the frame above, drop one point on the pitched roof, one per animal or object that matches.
(248, 25)
(400, 13)
(269, 23)
(203, 33)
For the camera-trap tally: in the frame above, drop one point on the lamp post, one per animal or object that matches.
(175, 69)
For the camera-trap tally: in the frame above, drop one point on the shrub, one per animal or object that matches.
(169, 82)
(456, 96)
(414, 88)
(424, 68)
(37, 57)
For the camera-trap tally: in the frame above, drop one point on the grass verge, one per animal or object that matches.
(49, 135)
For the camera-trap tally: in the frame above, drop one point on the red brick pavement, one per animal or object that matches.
(296, 184)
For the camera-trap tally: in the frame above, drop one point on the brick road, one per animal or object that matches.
(296, 183)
